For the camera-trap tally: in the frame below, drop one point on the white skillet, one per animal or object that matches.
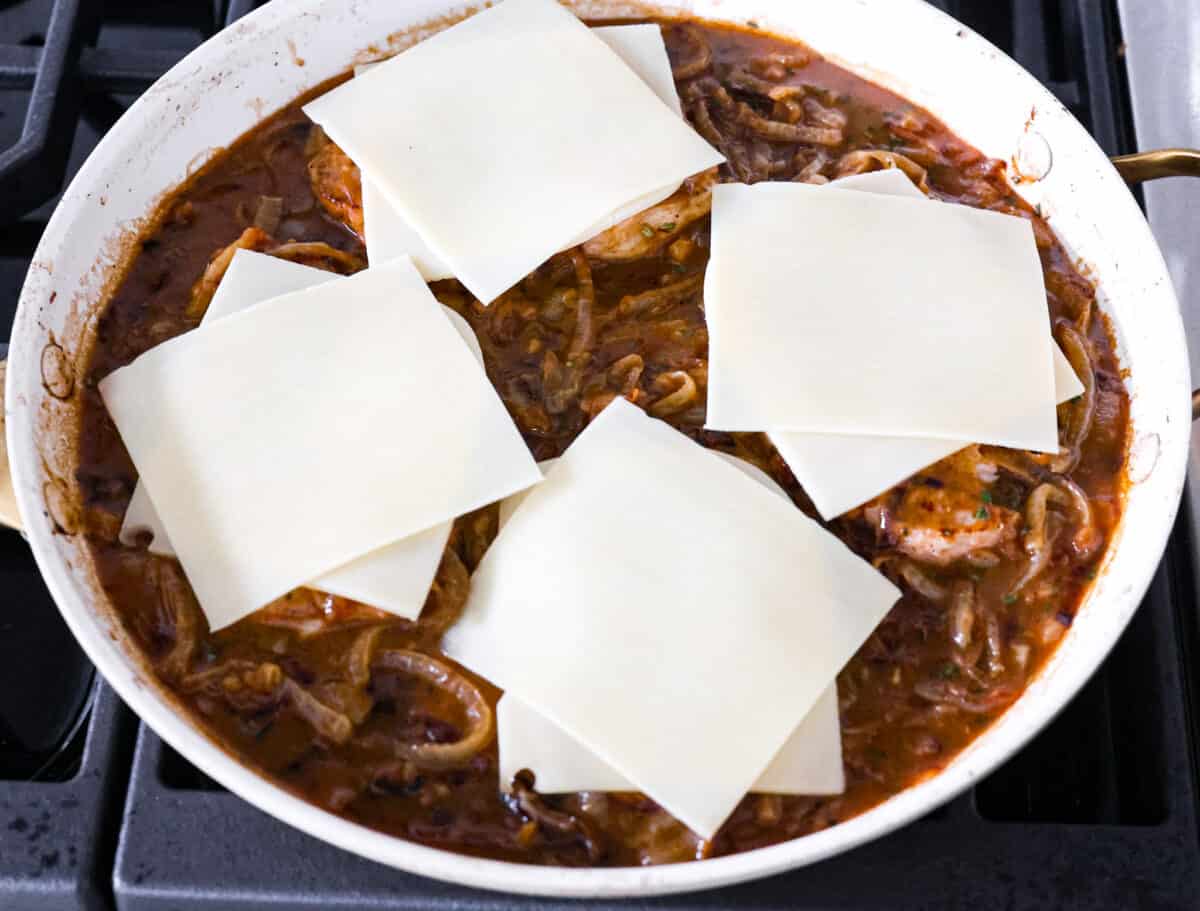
(264, 61)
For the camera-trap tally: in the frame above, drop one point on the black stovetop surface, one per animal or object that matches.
(96, 812)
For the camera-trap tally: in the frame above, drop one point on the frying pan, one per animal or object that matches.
(267, 59)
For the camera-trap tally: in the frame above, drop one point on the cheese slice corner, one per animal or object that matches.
(643, 49)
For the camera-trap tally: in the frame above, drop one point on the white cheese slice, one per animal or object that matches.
(833, 311)
(505, 137)
(842, 471)
(389, 235)
(659, 594)
(395, 578)
(288, 439)
(810, 762)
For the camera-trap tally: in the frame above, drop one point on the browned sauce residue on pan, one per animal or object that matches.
(338, 702)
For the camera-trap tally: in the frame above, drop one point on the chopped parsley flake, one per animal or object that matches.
(647, 231)
(1010, 599)
(981, 512)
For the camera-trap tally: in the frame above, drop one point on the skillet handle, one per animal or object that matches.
(8, 501)
(1142, 167)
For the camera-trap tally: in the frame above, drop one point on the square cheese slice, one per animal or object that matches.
(810, 762)
(647, 595)
(842, 471)
(288, 439)
(388, 235)
(395, 578)
(506, 137)
(833, 311)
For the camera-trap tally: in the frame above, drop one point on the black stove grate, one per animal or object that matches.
(1099, 811)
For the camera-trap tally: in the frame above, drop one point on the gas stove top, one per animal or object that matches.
(97, 813)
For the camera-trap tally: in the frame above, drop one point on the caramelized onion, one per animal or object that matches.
(983, 559)
(475, 533)
(530, 804)
(995, 644)
(684, 394)
(625, 373)
(946, 692)
(333, 726)
(705, 125)
(776, 131)
(358, 658)
(182, 612)
(743, 80)
(1035, 539)
(650, 230)
(585, 332)
(810, 169)
(657, 300)
(349, 699)
(447, 597)
(1082, 412)
(319, 255)
(962, 614)
(308, 612)
(700, 55)
(918, 581)
(1086, 538)
(475, 707)
(1018, 465)
(830, 117)
(246, 687)
(862, 161)
(660, 838)
(202, 679)
(560, 385)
